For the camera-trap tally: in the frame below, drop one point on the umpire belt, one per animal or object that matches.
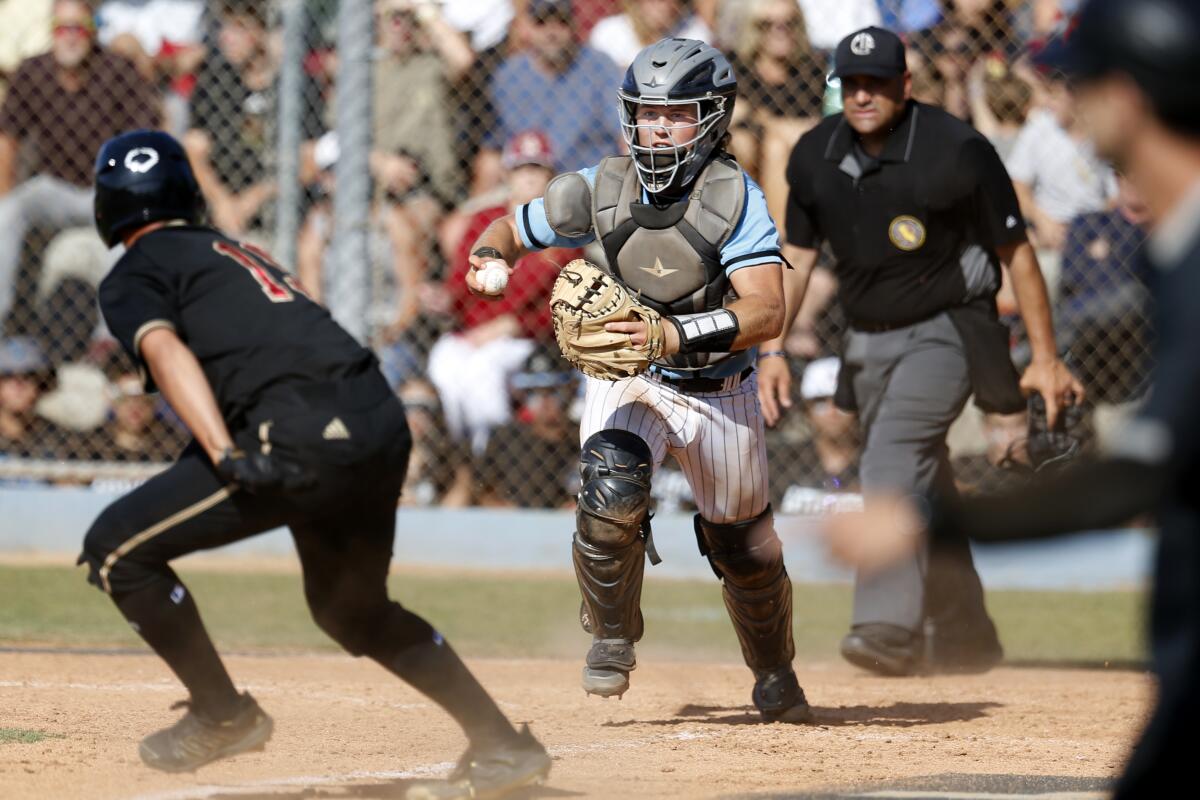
(701, 385)
(871, 326)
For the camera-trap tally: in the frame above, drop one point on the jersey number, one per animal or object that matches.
(256, 261)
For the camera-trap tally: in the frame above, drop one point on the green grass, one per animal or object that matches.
(23, 736)
(498, 615)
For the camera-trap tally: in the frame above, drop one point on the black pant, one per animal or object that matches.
(353, 439)
(343, 527)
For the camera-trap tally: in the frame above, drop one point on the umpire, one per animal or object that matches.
(920, 215)
(1135, 68)
(294, 425)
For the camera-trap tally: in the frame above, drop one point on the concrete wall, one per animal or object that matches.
(55, 520)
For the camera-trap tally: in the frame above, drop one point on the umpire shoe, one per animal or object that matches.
(489, 772)
(198, 739)
(609, 662)
(883, 649)
(778, 697)
(963, 653)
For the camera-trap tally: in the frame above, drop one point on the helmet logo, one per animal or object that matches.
(862, 44)
(141, 159)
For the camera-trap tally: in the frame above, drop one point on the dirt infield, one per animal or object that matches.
(347, 729)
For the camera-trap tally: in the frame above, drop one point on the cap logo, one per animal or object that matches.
(141, 159)
(862, 44)
(907, 233)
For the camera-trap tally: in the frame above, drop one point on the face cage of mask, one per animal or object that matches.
(681, 154)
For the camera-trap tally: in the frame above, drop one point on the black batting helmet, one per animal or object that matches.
(143, 176)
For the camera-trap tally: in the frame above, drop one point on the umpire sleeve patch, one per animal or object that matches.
(568, 202)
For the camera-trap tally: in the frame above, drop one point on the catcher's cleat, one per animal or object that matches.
(609, 662)
(196, 739)
(778, 697)
(490, 772)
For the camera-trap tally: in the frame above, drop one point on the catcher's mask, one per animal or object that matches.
(143, 176)
(674, 72)
(1048, 449)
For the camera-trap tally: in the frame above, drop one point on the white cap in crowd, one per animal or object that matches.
(820, 379)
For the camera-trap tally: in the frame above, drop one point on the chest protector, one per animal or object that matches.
(671, 257)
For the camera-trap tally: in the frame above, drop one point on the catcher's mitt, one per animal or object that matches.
(1048, 449)
(584, 298)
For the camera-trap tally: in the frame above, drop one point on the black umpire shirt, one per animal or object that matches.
(914, 231)
(247, 321)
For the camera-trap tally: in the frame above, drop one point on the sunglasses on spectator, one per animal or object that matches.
(789, 24)
(80, 27)
(551, 16)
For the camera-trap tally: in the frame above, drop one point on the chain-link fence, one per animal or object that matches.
(469, 108)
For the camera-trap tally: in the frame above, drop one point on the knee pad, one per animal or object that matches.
(609, 548)
(748, 558)
(615, 469)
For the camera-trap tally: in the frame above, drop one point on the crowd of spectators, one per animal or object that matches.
(476, 105)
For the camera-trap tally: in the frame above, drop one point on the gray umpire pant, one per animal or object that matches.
(910, 384)
(41, 200)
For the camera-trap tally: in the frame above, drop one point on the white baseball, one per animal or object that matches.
(493, 278)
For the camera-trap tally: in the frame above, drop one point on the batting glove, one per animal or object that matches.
(259, 472)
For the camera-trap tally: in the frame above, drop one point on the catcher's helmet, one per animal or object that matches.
(143, 176)
(678, 72)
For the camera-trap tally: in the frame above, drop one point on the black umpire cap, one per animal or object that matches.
(870, 51)
(1154, 42)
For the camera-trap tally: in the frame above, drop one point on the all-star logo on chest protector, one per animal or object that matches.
(658, 270)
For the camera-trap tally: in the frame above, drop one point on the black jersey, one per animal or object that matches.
(915, 230)
(248, 321)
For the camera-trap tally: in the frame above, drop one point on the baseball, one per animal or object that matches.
(493, 278)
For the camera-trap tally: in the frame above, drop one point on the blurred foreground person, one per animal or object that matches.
(1134, 68)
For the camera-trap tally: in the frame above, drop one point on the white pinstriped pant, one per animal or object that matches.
(716, 437)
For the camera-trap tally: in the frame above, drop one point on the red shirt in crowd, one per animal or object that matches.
(528, 293)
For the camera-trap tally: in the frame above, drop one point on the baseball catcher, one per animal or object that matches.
(665, 332)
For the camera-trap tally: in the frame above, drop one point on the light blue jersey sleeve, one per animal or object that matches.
(755, 240)
(535, 230)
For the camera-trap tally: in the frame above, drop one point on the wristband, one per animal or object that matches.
(710, 332)
(772, 354)
(488, 252)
